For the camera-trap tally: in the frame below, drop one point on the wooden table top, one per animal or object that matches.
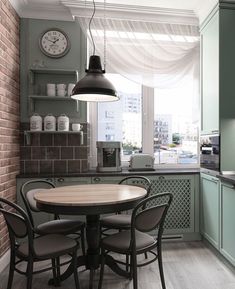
(90, 195)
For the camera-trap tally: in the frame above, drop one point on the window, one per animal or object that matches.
(175, 128)
(126, 114)
(172, 128)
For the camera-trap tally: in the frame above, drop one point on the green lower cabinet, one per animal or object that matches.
(227, 247)
(210, 208)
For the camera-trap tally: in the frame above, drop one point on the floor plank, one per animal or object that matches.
(187, 265)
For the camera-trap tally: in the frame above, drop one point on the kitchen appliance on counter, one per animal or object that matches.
(210, 152)
(141, 162)
(108, 156)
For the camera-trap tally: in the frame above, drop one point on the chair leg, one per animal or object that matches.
(11, 270)
(29, 273)
(101, 268)
(127, 262)
(134, 266)
(83, 242)
(53, 263)
(75, 270)
(161, 267)
(58, 270)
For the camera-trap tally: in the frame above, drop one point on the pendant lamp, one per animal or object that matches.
(94, 86)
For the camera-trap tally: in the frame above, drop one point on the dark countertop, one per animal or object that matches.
(227, 178)
(124, 172)
(224, 177)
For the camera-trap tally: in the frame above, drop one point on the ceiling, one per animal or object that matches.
(193, 10)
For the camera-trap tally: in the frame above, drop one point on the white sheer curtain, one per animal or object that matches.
(152, 54)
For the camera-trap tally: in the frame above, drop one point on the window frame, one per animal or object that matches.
(147, 132)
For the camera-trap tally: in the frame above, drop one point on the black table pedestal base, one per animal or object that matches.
(92, 260)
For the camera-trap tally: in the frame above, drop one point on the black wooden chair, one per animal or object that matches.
(147, 216)
(121, 221)
(56, 226)
(35, 249)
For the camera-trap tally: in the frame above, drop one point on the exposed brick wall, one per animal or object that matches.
(9, 108)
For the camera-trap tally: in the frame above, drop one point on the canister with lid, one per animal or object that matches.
(49, 123)
(35, 122)
(63, 123)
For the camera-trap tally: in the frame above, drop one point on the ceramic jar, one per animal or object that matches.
(63, 123)
(35, 122)
(49, 123)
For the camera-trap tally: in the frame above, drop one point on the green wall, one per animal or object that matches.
(30, 31)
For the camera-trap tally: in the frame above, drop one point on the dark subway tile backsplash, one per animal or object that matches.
(53, 152)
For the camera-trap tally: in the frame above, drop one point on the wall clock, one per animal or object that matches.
(54, 43)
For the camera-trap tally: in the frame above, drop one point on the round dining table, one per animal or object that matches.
(90, 200)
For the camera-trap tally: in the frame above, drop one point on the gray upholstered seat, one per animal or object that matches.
(147, 217)
(120, 242)
(47, 247)
(61, 226)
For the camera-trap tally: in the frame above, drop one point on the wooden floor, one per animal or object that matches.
(187, 265)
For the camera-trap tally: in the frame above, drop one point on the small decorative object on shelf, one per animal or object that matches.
(51, 89)
(35, 122)
(63, 123)
(49, 123)
(76, 127)
(70, 88)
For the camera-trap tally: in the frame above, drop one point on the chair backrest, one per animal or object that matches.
(139, 181)
(150, 213)
(28, 191)
(17, 221)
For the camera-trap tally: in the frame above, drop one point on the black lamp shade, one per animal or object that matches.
(94, 86)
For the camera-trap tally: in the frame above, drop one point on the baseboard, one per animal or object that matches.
(4, 261)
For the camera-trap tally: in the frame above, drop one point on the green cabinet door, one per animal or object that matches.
(210, 76)
(210, 202)
(227, 222)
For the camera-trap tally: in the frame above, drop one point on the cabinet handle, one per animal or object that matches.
(60, 180)
(215, 131)
(214, 181)
(97, 180)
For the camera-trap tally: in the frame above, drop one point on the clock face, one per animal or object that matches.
(54, 43)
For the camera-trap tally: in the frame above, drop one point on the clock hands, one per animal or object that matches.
(55, 40)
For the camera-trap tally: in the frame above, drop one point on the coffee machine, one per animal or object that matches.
(108, 156)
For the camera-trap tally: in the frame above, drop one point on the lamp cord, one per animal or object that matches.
(105, 39)
(93, 43)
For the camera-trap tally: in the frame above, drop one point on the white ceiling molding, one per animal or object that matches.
(131, 12)
(66, 9)
(48, 11)
(19, 5)
(204, 10)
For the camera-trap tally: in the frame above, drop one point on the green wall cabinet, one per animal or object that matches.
(227, 222)
(210, 209)
(210, 76)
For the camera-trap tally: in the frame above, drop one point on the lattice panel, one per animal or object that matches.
(178, 216)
